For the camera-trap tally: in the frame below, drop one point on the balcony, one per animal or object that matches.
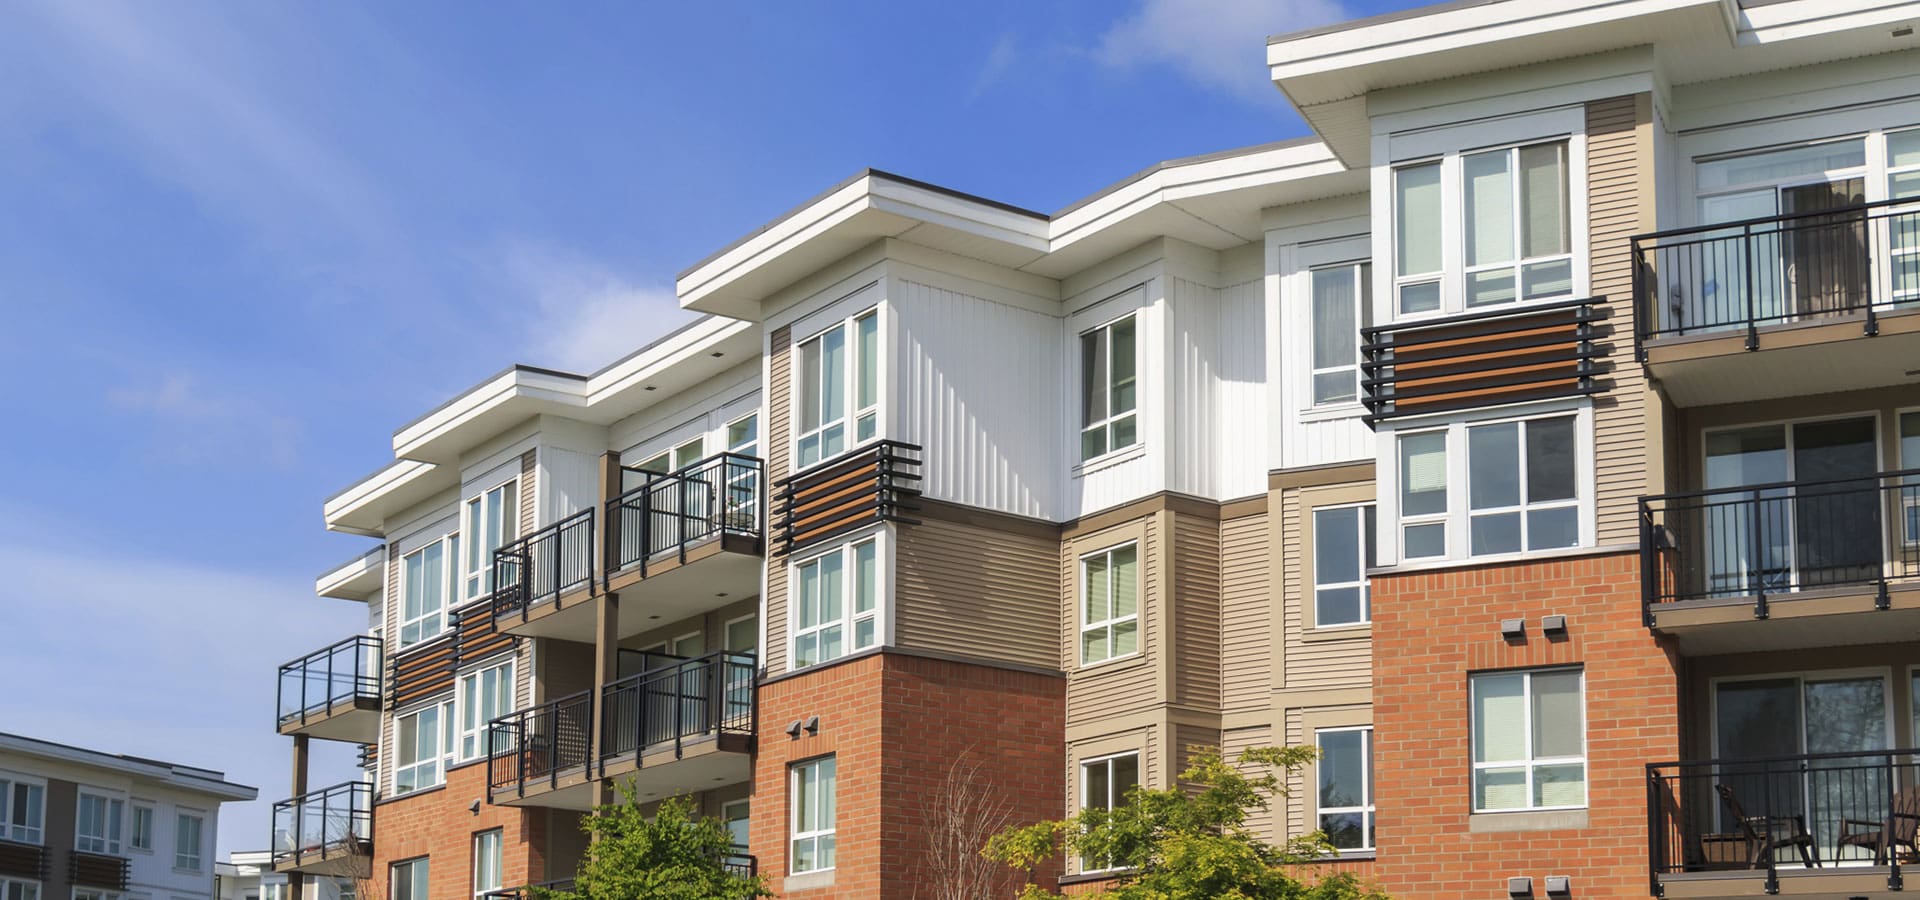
(327, 832)
(539, 756)
(680, 726)
(99, 870)
(333, 693)
(542, 581)
(1829, 824)
(1806, 303)
(1839, 558)
(526, 892)
(687, 542)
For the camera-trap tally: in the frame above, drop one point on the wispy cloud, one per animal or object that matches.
(995, 68)
(192, 422)
(1217, 43)
(581, 314)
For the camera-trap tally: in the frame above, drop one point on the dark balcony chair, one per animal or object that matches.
(1759, 836)
(1900, 831)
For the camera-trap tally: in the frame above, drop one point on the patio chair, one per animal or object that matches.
(1900, 830)
(1759, 836)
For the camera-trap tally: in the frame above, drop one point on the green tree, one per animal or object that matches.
(676, 855)
(1190, 841)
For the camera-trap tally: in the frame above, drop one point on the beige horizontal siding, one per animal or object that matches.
(775, 443)
(1235, 741)
(1246, 613)
(1619, 145)
(978, 592)
(1196, 612)
(1126, 685)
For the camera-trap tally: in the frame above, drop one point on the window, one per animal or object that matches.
(1416, 238)
(832, 381)
(1342, 304)
(1104, 784)
(838, 614)
(486, 862)
(737, 815)
(142, 836)
(1342, 553)
(1523, 487)
(484, 696)
(1529, 740)
(19, 890)
(1345, 793)
(97, 825)
(408, 880)
(1903, 183)
(743, 436)
(1514, 237)
(273, 892)
(492, 521)
(1109, 389)
(1110, 604)
(186, 842)
(426, 587)
(813, 809)
(667, 461)
(94, 894)
(22, 811)
(424, 741)
(1423, 495)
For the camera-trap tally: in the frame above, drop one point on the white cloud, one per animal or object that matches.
(999, 61)
(583, 314)
(194, 423)
(1218, 43)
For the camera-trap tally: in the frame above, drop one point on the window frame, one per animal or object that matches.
(1139, 600)
(464, 703)
(795, 834)
(498, 862)
(393, 882)
(1113, 799)
(1530, 762)
(1107, 423)
(1367, 810)
(1361, 271)
(858, 424)
(477, 569)
(444, 710)
(134, 811)
(113, 808)
(7, 883)
(849, 618)
(196, 860)
(450, 550)
(1520, 262)
(1367, 529)
(727, 817)
(1527, 506)
(34, 788)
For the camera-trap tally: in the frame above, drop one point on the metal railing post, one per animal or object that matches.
(1753, 334)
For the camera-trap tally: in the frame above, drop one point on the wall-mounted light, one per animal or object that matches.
(813, 724)
(1513, 629)
(1554, 626)
(1521, 886)
(793, 731)
(1559, 886)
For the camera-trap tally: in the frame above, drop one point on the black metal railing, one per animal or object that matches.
(745, 865)
(539, 744)
(1780, 538)
(526, 892)
(324, 824)
(544, 564)
(1745, 275)
(1811, 811)
(702, 697)
(669, 512)
(343, 672)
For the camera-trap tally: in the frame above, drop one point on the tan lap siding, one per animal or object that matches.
(1311, 663)
(1124, 685)
(977, 592)
(1235, 741)
(529, 509)
(1196, 612)
(1246, 614)
(1619, 152)
(779, 406)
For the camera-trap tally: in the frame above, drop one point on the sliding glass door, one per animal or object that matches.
(1825, 529)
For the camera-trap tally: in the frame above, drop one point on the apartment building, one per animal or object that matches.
(91, 825)
(1532, 439)
(249, 875)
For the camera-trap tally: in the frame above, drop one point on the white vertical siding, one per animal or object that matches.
(1127, 477)
(1307, 436)
(1192, 350)
(569, 482)
(1240, 392)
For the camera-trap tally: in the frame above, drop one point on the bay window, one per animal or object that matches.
(23, 809)
(1109, 388)
(1110, 604)
(1529, 740)
(837, 395)
(492, 520)
(422, 742)
(1342, 304)
(1483, 228)
(426, 589)
(484, 695)
(1493, 487)
(838, 608)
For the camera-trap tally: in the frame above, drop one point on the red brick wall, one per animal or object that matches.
(895, 723)
(438, 825)
(1361, 868)
(1429, 631)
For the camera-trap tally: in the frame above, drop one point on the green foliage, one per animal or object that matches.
(677, 855)
(1190, 841)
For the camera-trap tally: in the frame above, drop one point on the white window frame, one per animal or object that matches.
(1391, 544)
(1520, 262)
(1366, 810)
(858, 424)
(1107, 423)
(16, 831)
(86, 893)
(476, 736)
(442, 756)
(727, 817)
(1361, 271)
(1530, 762)
(1368, 539)
(191, 859)
(393, 881)
(748, 447)
(31, 888)
(849, 620)
(1526, 505)
(478, 566)
(134, 814)
(481, 864)
(1111, 620)
(113, 810)
(450, 550)
(1113, 798)
(797, 773)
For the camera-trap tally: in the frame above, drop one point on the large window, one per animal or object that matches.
(1903, 183)
(1344, 800)
(423, 741)
(837, 383)
(484, 696)
(1529, 740)
(813, 815)
(23, 809)
(408, 880)
(839, 594)
(188, 835)
(98, 824)
(1104, 784)
(12, 889)
(492, 521)
(1491, 488)
(426, 589)
(1342, 305)
(1342, 553)
(737, 815)
(1109, 388)
(1513, 239)
(1110, 604)
(486, 862)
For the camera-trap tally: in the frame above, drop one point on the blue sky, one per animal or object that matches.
(239, 245)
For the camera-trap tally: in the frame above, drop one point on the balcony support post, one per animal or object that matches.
(606, 670)
(608, 548)
(296, 885)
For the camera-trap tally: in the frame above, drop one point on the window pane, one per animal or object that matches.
(1550, 459)
(867, 329)
(1098, 788)
(1426, 540)
(1782, 165)
(863, 634)
(1343, 758)
(1488, 288)
(1337, 606)
(1560, 785)
(1093, 377)
(1123, 432)
(1126, 587)
(810, 385)
(1489, 207)
(1126, 775)
(1903, 148)
(1093, 442)
(1543, 199)
(1336, 333)
(810, 595)
(1336, 387)
(1336, 545)
(1499, 718)
(1093, 645)
(1557, 726)
(1493, 460)
(1551, 528)
(1099, 589)
(1551, 279)
(830, 642)
(1126, 637)
(1345, 831)
(865, 577)
(1423, 474)
(1500, 788)
(1123, 398)
(1417, 219)
(1419, 298)
(833, 374)
(1499, 533)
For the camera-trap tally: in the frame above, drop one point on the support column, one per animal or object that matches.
(606, 614)
(296, 882)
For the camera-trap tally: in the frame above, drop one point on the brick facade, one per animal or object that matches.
(1430, 630)
(437, 824)
(895, 724)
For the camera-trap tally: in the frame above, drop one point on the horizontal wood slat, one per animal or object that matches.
(28, 861)
(871, 484)
(99, 870)
(429, 670)
(1481, 359)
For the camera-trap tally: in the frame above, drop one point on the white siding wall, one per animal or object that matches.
(568, 481)
(1123, 477)
(1191, 345)
(1309, 436)
(1239, 441)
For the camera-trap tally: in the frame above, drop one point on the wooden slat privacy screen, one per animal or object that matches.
(875, 483)
(28, 861)
(1509, 355)
(428, 670)
(99, 870)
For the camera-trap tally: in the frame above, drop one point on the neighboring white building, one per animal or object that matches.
(80, 824)
(249, 875)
